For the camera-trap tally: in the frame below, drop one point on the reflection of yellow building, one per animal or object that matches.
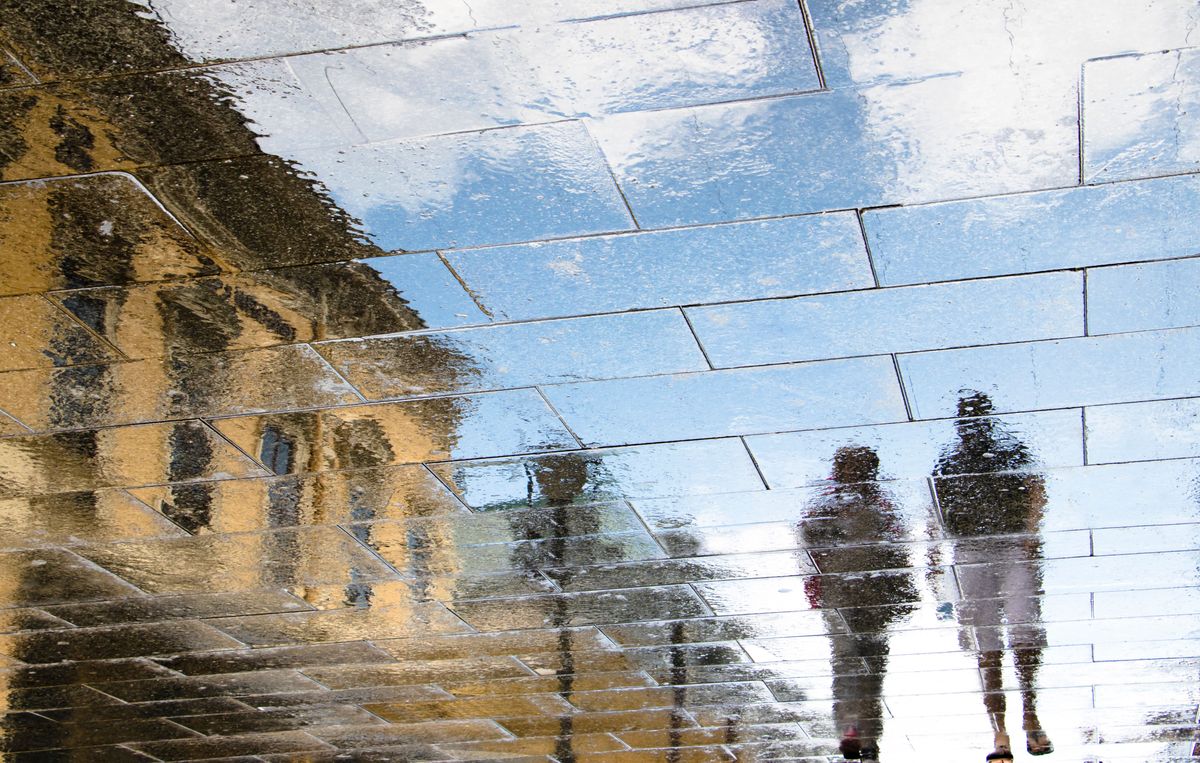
(254, 213)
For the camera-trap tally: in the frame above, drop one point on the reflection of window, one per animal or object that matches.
(277, 450)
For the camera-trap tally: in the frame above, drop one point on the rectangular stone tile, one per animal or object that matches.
(880, 321)
(232, 202)
(685, 57)
(225, 685)
(40, 740)
(819, 152)
(302, 500)
(729, 539)
(441, 647)
(249, 561)
(1047, 230)
(603, 347)
(654, 470)
(162, 709)
(1069, 372)
(467, 708)
(35, 333)
(194, 606)
(733, 402)
(1147, 603)
(1119, 495)
(71, 518)
(859, 42)
(247, 660)
(787, 594)
(215, 384)
(595, 723)
(580, 608)
(351, 737)
(440, 554)
(589, 681)
(276, 719)
(117, 121)
(114, 233)
(382, 620)
(719, 628)
(65, 674)
(319, 697)
(49, 576)
(274, 307)
(70, 697)
(10, 427)
(582, 746)
(769, 258)
(1153, 295)
(666, 696)
(674, 571)
(475, 426)
(215, 747)
(513, 184)
(912, 449)
(1135, 115)
(115, 642)
(1129, 540)
(418, 672)
(74, 461)
(28, 619)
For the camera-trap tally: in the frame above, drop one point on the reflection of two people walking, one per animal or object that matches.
(982, 513)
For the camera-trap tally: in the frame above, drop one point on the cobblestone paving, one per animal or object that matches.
(596, 381)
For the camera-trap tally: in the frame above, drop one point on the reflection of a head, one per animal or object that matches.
(855, 463)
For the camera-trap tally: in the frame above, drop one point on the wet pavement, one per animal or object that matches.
(599, 380)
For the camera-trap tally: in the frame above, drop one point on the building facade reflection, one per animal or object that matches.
(992, 505)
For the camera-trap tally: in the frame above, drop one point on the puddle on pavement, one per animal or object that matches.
(637, 380)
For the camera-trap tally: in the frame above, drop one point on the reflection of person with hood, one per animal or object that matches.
(999, 574)
(854, 511)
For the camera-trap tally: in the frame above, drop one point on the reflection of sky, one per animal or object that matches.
(1140, 113)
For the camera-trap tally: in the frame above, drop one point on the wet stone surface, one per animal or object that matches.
(599, 380)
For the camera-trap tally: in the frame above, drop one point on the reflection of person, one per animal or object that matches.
(557, 481)
(856, 511)
(994, 516)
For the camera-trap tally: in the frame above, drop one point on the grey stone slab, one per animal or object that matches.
(733, 402)
(184, 451)
(841, 149)
(771, 258)
(794, 459)
(1047, 230)
(213, 563)
(1154, 295)
(1056, 374)
(470, 189)
(654, 470)
(1143, 431)
(581, 608)
(151, 390)
(270, 27)
(601, 347)
(1115, 495)
(475, 426)
(279, 306)
(880, 42)
(114, 642)
(532, 74)
(880, 321)
(1136, 119)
